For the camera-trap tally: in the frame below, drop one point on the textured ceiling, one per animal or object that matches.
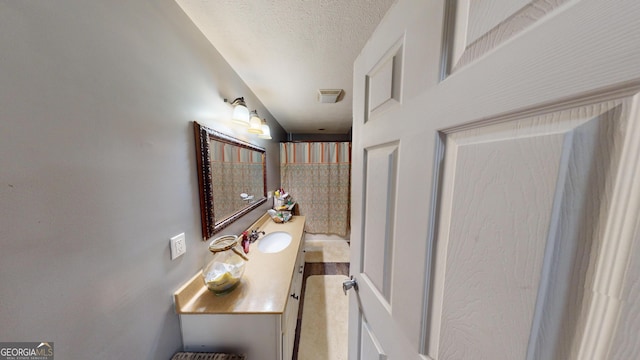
(285, 50)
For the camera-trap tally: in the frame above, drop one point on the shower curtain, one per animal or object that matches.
(318, 177)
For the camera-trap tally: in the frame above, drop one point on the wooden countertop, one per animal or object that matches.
(264, 287)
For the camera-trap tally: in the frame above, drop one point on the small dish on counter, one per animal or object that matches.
(279, 216)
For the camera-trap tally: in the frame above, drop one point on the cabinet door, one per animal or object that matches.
(289, 329)
(296, 284)
(256, 335)
(289, 322)
(290, 316)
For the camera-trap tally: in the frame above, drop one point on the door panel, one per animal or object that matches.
(520, 209)
(371, 348)
(495, 209)
(384, 82)
(477, 27)
(487, 15)
(625, 344)
(381, 173)
(494, 249)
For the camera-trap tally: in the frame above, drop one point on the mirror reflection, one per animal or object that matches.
(237, 176)
(231, 176)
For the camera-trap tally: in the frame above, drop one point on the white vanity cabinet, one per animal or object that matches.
(257, 335)
(259, 317)
(290, 316)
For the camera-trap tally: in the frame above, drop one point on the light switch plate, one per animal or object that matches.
(178, 246)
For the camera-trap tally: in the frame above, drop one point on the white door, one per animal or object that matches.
(496, 182)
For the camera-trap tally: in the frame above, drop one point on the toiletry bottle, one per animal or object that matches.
(245, 242)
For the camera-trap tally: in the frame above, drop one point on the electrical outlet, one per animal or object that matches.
(178, 246)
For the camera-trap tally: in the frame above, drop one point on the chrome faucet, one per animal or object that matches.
(253, 236)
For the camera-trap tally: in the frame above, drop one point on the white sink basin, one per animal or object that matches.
(274, 242)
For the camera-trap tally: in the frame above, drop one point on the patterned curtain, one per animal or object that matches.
(318, 177)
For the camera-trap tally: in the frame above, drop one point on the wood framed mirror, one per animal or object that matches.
(231, 178)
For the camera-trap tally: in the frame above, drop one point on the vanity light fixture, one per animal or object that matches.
(251, 120)
(255, 124)
(266, 131)
(240, 112)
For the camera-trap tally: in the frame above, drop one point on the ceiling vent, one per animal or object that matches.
(329, 96)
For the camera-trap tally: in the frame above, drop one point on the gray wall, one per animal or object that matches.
(97, 170)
